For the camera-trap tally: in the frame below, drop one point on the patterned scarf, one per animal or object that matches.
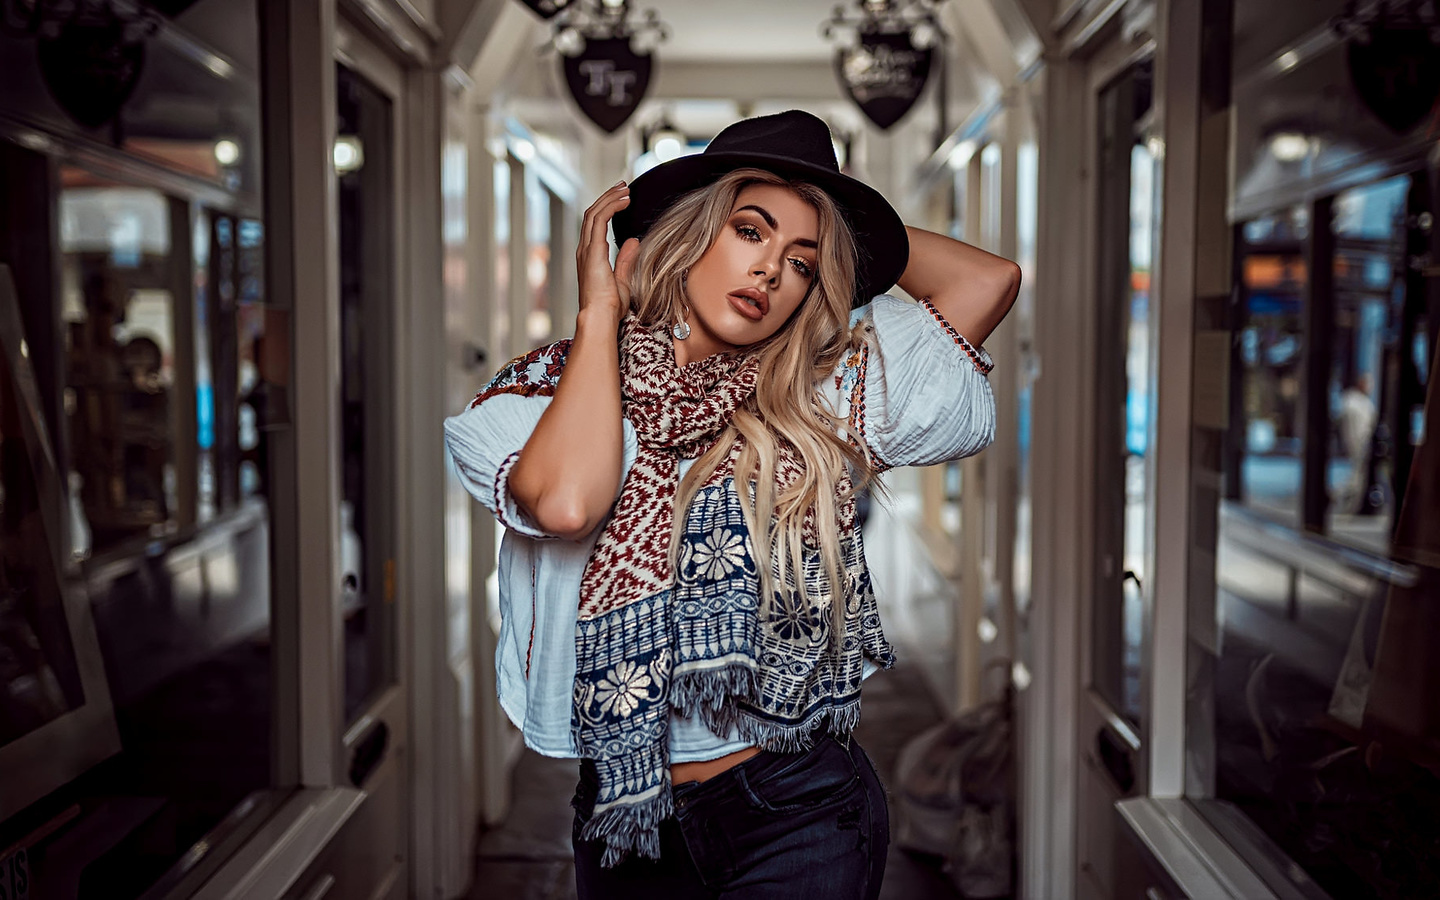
(695, 638)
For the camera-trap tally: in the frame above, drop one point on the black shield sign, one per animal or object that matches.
(608, 80)
(91, 70)
(884, 75)
(1397, 74)
(546, 8)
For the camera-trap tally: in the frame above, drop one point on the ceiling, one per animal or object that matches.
(742, 30)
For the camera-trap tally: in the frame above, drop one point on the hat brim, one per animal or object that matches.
(881, 245)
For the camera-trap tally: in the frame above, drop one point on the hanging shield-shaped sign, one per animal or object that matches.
(1397, 74)
(546, 8)
(608, 80)
(884, 75)
(91, 70)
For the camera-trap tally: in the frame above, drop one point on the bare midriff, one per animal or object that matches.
(704, 771)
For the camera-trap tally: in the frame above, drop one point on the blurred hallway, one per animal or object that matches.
(254, 252)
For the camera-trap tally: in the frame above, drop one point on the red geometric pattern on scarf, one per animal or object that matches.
(677, 413)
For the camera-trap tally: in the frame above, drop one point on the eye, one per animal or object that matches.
(748, 232)
(802, 267)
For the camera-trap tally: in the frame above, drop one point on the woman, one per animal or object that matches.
(684, 595)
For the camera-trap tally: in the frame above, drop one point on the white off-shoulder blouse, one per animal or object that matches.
(914, 391)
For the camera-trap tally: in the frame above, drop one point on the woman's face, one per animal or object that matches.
(753, 277)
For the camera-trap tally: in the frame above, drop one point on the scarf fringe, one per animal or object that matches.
(711, 691)
(631, 828)
(838, 720)
(717, 697)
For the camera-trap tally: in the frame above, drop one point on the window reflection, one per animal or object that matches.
(118, 273)
(1369, 303)
(1273, 280)
(1315, 701)
(130, 297)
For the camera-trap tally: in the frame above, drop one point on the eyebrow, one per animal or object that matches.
(770, 220)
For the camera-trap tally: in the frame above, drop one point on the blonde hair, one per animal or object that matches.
(786, 405)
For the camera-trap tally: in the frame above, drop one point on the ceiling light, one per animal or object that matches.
(1288, 60)
(349, 154)
(668, 147)
(227, 152)
(1289, 146)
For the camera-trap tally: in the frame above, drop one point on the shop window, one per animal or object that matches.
(1314, 715)
(134, 251)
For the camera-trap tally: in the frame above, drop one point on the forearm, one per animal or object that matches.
(972, 289)
(569, 470)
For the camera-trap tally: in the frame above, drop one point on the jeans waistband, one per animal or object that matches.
(761, 766)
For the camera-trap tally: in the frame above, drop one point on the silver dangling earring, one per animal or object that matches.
(681, 329)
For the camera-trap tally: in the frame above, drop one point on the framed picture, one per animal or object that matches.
(56, 717)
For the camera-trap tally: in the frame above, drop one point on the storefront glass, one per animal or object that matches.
(136, 574)
(1313, 736)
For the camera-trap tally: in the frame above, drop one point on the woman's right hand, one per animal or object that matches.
(601, 287)
(567, 486)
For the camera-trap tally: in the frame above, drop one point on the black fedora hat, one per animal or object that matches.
(794, 145)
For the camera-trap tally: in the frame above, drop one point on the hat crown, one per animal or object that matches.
(793, 134)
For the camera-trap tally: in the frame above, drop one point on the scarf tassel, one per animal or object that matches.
(630, 828)
(719, 698)
(708, 692)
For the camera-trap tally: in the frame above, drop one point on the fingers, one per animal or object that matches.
(597, 217)
(625, 265)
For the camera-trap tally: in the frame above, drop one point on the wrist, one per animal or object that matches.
(598, 318)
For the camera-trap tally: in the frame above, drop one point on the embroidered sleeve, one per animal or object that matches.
(533, 375)
(850, 379)
(914, 389)
(486, 438)
(980, 358)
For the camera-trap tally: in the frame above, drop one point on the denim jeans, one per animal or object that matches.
(797, 826)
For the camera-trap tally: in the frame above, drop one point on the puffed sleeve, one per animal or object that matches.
(485, 440)
(914, 391)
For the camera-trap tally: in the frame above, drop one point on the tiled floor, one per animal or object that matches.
(528, 858)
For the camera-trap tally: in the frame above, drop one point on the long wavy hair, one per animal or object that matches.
(786, 405)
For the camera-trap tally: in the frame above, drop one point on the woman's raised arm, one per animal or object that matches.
(569, 470)
(972, 289)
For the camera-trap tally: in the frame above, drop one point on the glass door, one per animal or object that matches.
(364, 166)
(1111, 721)
(1122, 420)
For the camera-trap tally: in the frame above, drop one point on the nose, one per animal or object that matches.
(768, 267)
